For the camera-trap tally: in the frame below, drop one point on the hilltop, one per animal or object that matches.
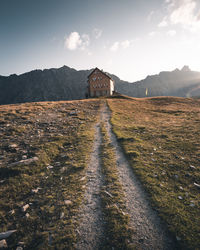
(70, 170)
(69, 84)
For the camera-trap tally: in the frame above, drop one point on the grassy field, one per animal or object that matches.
(161, 139)
(44, 150)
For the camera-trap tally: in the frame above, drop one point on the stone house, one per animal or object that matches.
(100, 84)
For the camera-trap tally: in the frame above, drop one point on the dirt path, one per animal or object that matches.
(91, 230)
(151, 233)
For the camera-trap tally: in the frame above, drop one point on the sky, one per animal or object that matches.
(128, 38)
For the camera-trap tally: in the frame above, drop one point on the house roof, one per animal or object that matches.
(101, 72)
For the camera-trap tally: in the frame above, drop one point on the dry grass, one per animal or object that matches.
(160, 137)
(60, 134)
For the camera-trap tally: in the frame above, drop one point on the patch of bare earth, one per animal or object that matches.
(91, 229)
(150, 231)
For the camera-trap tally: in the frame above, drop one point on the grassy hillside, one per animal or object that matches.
(43, 154)
(160, 137)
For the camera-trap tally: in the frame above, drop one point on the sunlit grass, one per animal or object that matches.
(160, 137)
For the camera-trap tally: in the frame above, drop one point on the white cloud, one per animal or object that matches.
(149, 17)
(85, 41)
(75, 41)
(115, 46)
(171, 33)
(125, 44)
(163, 23)
(182, 12)
(153, 33)
(97, 33)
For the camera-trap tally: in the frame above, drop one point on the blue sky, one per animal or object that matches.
(129, 38)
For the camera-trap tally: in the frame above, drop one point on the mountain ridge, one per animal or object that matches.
(67, 83)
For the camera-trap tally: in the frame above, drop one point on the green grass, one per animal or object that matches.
(160, 137)
(117, 220)
(59, 139)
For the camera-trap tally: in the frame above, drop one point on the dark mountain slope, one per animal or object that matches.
(168, 83)
(68, 84)
(47, 85)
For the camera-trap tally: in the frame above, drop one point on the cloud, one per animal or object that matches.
(115, 46)
(163, 23)
(149, 17)
(85, 41)
(171, 33)
(153, 33)
(182, 12)
(75, 41)
(124, 44)
(97, 33)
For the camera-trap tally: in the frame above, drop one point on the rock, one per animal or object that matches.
(83, 178)
(27, 215)
(62, 215)
(154, 149)
(19, 248)
(110, 195)
(12, 211)
(49, 167)
(23, 162)
(57, 164)
(193, 167)
(25, 207)
(72, 113)
(13, 145)
(3, 244)
(6, 234)
(68, 202)
(35, 190)
(63, 169)
(196, 185)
